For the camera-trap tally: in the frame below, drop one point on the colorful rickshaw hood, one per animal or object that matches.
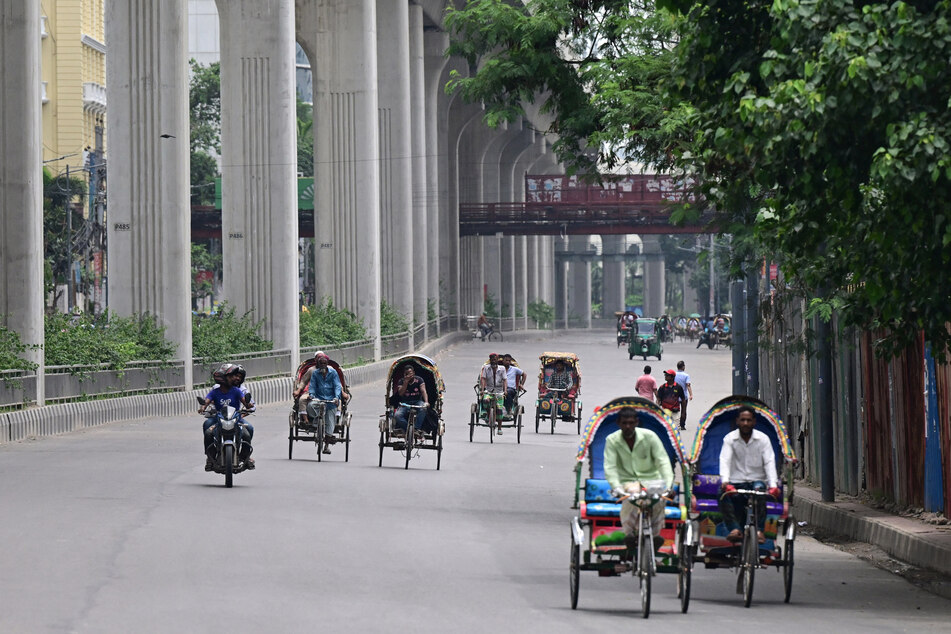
(732, 403)
(421, 360)
(644, 408)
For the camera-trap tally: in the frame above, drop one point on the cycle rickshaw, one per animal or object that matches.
(597, 537)
(625, 326)
(713, 549)
(488, 411)
(302, 428)
(693, 326)
(408, 443)
(558, 402)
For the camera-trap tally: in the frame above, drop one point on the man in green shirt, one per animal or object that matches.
(634, 459)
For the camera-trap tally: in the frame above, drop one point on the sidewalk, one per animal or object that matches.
(904, 538)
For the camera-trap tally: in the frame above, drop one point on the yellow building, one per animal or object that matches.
(74, 80)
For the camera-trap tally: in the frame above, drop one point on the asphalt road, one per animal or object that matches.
(119, 529)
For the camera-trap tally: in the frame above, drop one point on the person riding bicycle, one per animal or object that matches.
(746, 461)
(485, 326)
(515, 379)
(635, 459)
(325, 386)
(301, 388)
(492, 380)
(560, 378)
(225, 393)
(411, 390)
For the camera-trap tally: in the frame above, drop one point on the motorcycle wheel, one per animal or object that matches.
(229, 465)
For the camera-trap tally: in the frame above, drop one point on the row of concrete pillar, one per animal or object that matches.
(394, 157)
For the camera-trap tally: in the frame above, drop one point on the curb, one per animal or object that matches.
(63, 418)
(909, 540)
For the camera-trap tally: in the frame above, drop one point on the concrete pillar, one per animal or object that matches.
(437, 201)
(259, 165)
(521, 279)
(340, 37)
(468, 189)
(691, 302)
(397, 217)
(499, 278)
(612, 251)
(422, 232)
(560, 277)
(579, 284)
(149, 228)
(655, 288)
(21, 184)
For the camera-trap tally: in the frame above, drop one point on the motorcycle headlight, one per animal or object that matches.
(227, 425)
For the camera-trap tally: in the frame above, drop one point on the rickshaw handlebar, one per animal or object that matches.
(423, 406)
(751, 492)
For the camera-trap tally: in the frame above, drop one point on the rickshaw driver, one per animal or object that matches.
(746, 460)
(412, 391)
(634, 459)
(492, 379)
(325, 385)
(560, 378)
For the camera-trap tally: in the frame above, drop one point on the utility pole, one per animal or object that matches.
(824, 413)
(69, 247)
(713, 260)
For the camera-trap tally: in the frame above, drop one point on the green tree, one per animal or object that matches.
(824, 128)
(327, 325)
(204, 96)
(598, 66)
(222, 334)
(392, 322)
(58, 191)
(305, 138)
(13, 351)
(203, 262)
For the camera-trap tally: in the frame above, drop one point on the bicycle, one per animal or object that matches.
(645, 565)
(748, 560)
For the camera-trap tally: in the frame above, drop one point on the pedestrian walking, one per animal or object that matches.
(683, 380)
(671, 396)
(646, 385)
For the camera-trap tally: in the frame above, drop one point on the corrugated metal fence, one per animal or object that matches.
(891, 418)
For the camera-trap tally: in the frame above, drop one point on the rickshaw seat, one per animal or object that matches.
(706, 492)
(600, 503)
(607, 509)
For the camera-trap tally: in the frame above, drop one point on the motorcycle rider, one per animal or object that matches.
(226, 392)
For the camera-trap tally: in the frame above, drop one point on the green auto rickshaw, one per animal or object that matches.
(646, 340)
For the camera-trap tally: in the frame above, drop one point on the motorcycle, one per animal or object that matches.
(228, 440)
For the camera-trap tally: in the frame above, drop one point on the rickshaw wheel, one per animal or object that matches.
(630, 356)
(490, 419)
(518, 429)
(579, 420)
(382, 434)
(574, 572)
(645, 554)
(684, 573)
(438, 450)
(346, 451)
(537, 420)
(788, 560)
(750, 561)
(472, 418)
(554, 417)
(658, 357)
(292, 432)
(410, 436)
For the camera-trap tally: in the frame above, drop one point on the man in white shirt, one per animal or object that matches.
(514, 379)
(746, 462)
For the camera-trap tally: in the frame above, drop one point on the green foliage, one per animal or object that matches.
(600, 65)
(305, 138)
(490, 307)
(391, 321)
(203, 260)
(431, 309)
(541, 313)
(57, 191)
(204, 101)
(85, 339)
(824, 128)
(204, 171)
(224, 334)
(325, 325)
(12, 351)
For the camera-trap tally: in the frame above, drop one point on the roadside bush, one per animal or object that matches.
(391, 321)
(326, 325)
(84, 339)
(541, 313)
(12, 350)
(223, 334)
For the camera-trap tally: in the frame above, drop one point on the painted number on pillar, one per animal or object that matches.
(326, 245)
(236, 236)
(122, 226)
